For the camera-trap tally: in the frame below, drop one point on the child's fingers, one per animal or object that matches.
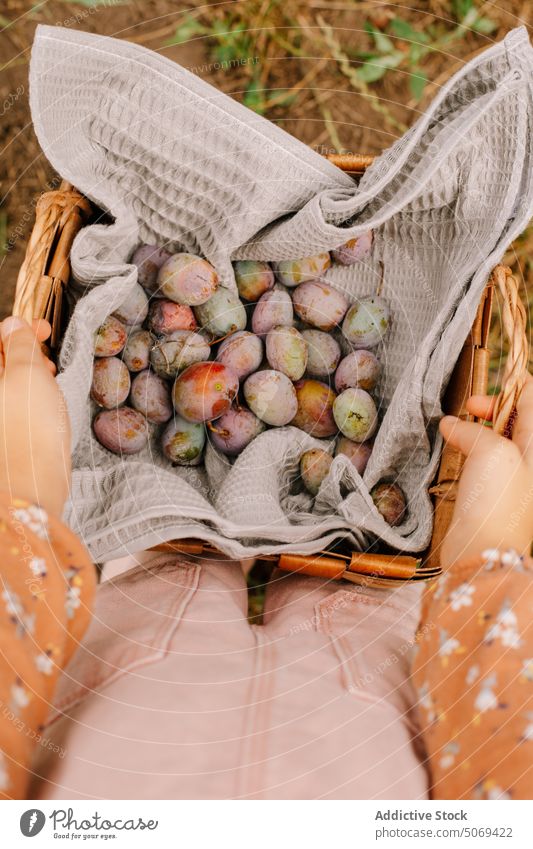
(467, 437)
(42, 328)
(481, 406)
(523, 426)
(19, 343)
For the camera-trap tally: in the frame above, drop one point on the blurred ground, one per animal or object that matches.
(341, 75)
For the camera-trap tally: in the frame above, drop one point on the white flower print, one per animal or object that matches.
(35, 518)
(507, 616)
(448, 645)
(486, 698)
(4, 778)
(491, 556)
(424, 696)
(44, 663)
(20, 697)
(448, 757)
(72, 601)
(511, 639)
(497, 792)
(472, 674)
(511, 558)
(426, 701)
(527, 671)
(443, 581)
(24, 621)
(461, 596)
(13, 604)
(38, 567)
(504, 628)
(527, 736)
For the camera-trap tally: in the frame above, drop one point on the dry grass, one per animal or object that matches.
(341, 75)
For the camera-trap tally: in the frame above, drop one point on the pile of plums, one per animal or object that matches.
(188, 355)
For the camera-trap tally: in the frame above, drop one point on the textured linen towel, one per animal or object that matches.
(177, 162)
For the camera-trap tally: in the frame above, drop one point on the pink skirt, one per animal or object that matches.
(174, 695)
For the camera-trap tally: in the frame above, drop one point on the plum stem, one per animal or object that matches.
(221, 338)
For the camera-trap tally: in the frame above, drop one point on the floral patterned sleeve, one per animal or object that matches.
(474, 674)
(47, 584)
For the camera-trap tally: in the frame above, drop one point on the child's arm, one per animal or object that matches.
(46, 578)
(474, 666)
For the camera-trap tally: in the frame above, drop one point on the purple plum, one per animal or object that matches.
(123, 431)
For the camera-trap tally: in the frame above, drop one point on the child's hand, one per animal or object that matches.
(494, 506)
(34, 425)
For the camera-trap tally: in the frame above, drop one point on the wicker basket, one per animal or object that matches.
(45, 274)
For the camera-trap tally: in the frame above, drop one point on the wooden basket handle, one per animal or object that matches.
(516, 365)
(59, 215)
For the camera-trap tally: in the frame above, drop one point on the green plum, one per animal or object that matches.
(355, 414)
(222, 314)
(292, 272)
(176, 351)
(314, 467)
(253, 278)
(183, 442)
(136, 353)
(286, 351)
(367, 322)
(271, 396)
(323, 353)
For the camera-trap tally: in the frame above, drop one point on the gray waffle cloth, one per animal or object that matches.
(177, 162)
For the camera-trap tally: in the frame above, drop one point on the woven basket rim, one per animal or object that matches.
(45, 273)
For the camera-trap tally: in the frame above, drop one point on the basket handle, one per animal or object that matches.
(516, 365)
(59, 215)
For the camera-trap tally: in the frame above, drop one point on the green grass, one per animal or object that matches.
(230, 44)
(251, 28)
(404, 47)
